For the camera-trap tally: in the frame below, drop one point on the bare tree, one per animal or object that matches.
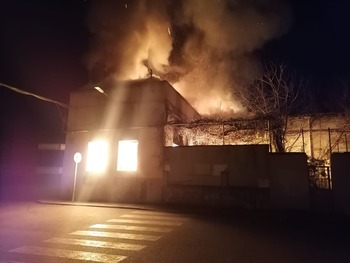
(274, 95)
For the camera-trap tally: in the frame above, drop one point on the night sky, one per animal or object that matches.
(43, 45)
(317, 47)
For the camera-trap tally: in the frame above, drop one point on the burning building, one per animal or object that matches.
(126, 130)
(121, 136)
(205, 50)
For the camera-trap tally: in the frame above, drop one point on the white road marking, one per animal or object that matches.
(95, 243)
(133, 228)
(71, 254)
(145, 222)
(117, 235)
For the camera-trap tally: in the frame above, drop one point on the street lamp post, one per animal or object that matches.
(77, 159)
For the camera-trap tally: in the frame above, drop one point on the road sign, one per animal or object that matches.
(77, 157)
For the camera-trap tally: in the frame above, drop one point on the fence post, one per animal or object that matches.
(223, 133)
(329, 178)
(311, 139)
(330, 156)
(330, 143)
(303, 139)
(346, 143)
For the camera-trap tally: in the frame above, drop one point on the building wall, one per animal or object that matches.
(289, 186)
(341, 182)
(219, 176)
(239, 166)
(242, 175)
(129, 104)
(49, 169)
(111, 115)
(113, 185)
(136, 110)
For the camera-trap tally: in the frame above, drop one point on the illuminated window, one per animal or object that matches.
(97, 156)
(127, 155)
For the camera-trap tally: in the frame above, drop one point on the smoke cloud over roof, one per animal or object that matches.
(204, 48)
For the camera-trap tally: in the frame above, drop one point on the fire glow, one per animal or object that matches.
(203, 48)
(127, 155)
(97, 156)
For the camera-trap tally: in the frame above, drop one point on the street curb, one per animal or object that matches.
(305, 216)
(158, 208)
(107, 205)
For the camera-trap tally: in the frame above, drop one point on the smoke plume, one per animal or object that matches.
(204, 48)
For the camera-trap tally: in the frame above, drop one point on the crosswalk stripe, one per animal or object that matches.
(152, 217)
(95, 243)
(146, 222)
(117, 235)
(135, 228)
(71, 254)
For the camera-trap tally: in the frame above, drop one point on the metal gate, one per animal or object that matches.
(319, 177)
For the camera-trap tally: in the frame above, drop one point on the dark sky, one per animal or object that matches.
(43, 43)
(317, 45)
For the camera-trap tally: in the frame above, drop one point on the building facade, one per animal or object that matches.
(120, 134)
(126, 133)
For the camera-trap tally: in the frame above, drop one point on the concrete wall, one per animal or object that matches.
(109, 114)
(215, 196)
(113, 116)
(242, 176)
(30, 172)
(218, 176)
(244, 166)
(119, 188)
(341, 181)
(289, 186)
(143, 103)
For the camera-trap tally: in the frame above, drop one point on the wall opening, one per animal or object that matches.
(97, 156)
(127, 155)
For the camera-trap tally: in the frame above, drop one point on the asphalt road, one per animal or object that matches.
(32, 232)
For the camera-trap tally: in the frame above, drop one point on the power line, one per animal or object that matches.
(34, 95)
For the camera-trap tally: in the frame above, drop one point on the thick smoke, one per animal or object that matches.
(205, 48)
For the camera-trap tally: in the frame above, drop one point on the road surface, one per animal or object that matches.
(32, 232)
